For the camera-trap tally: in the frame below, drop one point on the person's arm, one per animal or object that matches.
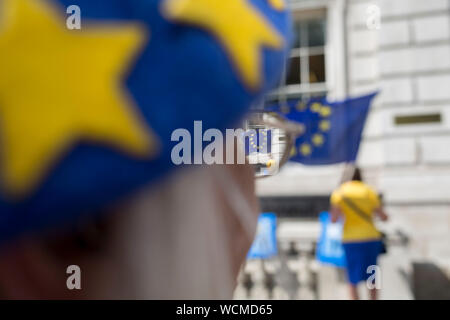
(381, 214)
(335, 213)
(379, 211)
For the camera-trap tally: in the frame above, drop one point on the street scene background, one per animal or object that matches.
(348, 48)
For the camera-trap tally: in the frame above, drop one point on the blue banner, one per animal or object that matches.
(329, 248)
(265, 244)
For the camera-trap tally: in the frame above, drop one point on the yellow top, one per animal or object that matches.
(366, 199)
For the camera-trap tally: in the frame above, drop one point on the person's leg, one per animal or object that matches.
(353, 269)
(374, 251)
(369, 260)
(353, 291)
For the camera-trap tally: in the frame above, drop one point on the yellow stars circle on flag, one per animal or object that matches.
(305, 149)
(324, 125)
(278, 4)
(315, 107)
(58, 87)
(252, 140)
(325, 111)
(293, 152)
(263, 136)
(240, 27)
(318, 139)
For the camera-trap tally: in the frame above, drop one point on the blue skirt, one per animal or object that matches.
(359, 256)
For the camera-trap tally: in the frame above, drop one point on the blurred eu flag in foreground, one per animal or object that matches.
(87, 116)
(332, 130)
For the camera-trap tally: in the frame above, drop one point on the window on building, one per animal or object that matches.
(305, 72)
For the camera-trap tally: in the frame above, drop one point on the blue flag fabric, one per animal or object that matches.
(332, 130)
(183, 70)
(258, 141)
(329, 248)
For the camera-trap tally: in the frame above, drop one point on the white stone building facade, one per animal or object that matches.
(405, 153)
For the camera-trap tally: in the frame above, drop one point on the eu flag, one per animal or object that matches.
(332, 130)
(258, 141)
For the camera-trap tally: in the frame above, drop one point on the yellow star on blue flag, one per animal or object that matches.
(333, 129)
(238, 25)
(87, 116)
